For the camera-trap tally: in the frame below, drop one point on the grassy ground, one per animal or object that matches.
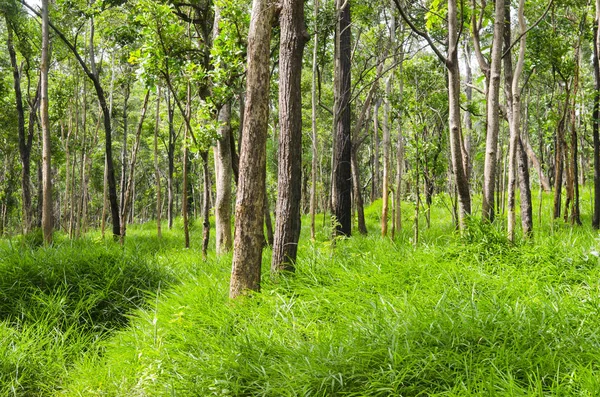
(365, 317)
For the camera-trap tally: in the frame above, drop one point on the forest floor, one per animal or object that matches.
(366, 316)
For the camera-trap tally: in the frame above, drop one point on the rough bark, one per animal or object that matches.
(249, 209)
(492, 115)
(289, 180)
(47, 221)
(342, 178)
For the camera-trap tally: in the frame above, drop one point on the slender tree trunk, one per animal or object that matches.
(269, 238)
(575, 212)
(399, 150)
(156, 167)
(545, 184)
(596, 119)
(342, 178)
(124, 148)
(289, 180)
(47, 221)
(171, 161)
(205, 204)
(362, 226)
(376, 151)
(184, 196)
(386, 140)
(25, 140)
(456, 141)
(129, 184)
(249, 209)
(223, 172)
(558, 158)
(493, 118)
(314, 162)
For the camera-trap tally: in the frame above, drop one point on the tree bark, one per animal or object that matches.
(171, 161)
(223, 173)
(249, 209)
(362, 226)
(128, 198)
(25, 140)
(493, 119)
(47, 221)
(314, 162)
(342, 178)
(289, 180)
(596, 119)
(156, 167)
(205, 204)
(386, 140)
(456, 141)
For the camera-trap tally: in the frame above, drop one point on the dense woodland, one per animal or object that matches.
(325, 138)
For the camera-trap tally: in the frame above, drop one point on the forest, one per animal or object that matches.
(299, 198)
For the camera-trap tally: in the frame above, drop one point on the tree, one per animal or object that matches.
(342, 177)
(47, 220)
(249, 208)
(287, 227)
(457, 151)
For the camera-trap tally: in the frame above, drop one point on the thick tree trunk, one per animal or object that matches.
(47, 221)
(249, 209)
(289, 193)
(493, 119)
(342, 178)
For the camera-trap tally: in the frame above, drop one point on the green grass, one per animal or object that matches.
(368, 316)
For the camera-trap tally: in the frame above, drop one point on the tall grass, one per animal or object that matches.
(366, 316)
(56, 302)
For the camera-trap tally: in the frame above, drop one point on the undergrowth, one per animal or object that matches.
(446, 315)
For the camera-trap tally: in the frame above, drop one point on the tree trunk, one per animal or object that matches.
(205, 204)
(249, 209)
(25, 141)
(289, 180)
(184, 195)
(47, 221)
(314, 162)
(456, 141)
(358, 199)
(575, 212)
(492, 115)
(156, 167)
(545, 184)
(171, 161)
(386, 141)
(124, 148)
(596, 119)
(558, 158)
(342, 178)
(223, 171)
(399, 150)
(128, 198)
